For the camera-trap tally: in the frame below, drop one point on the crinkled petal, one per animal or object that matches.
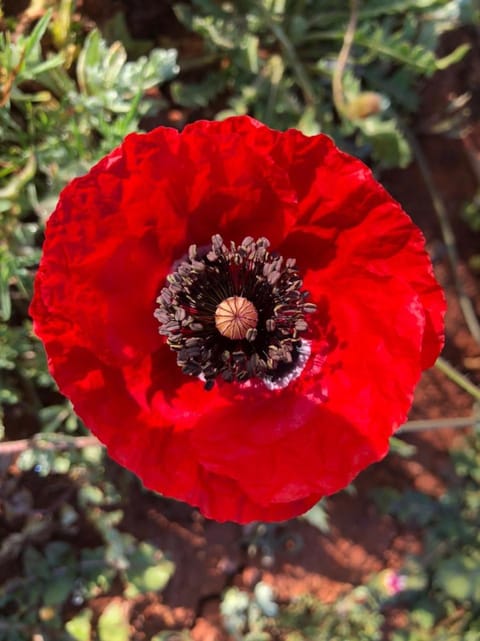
(347, 218)
(238, 452)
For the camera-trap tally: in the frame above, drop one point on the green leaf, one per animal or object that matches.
(455, 585)
(88, 59)
(455, 56)
(234, 609)
(52, 62)
(12, 189)
(80, 627)
(459, 577)
(264, 597)
(37, 34)
(89, 494)
(401, 448)
(156, 578)
(34, 564)
(148, 571)
(58, 553)
(113, 624)
(389, 147)
(398, 48)
(308, 123)
(424, 617)
(415, 508)
(61, 23)
(96, 574)
(114, 61)
(318, 517)
(198, 94)
(58, 591)
(101, 68)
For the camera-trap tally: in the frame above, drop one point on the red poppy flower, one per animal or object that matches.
(218, 370)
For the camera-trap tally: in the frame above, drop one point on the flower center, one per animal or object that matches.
(236, 312)
(236, 318)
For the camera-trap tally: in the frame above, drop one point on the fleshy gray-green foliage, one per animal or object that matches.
(52, 129)
(66, 100)
(62, 127)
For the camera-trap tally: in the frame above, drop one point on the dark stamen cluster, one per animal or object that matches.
(200, 286)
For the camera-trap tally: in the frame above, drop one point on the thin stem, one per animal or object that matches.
(8, 86)
(439, 423)
(337, 78)
(276, 75)
(472, 153)
(289, 49)
(460, 379)
(39, 442)
(466, 304)
(191, 64)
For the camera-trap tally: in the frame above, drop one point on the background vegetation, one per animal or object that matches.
(71, 88)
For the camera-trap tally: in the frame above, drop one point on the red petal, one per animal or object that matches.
(109, 247)
(251, 194)
(238, 452)
(345, 216)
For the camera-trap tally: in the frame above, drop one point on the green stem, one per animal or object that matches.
(458, 378)
(291, 54)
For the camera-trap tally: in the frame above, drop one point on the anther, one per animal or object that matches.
(236, 312)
